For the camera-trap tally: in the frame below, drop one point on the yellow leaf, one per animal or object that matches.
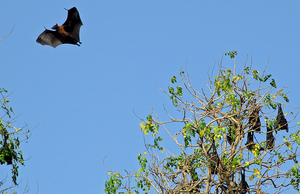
(247, 164)
(201, 133)
(109, 172)
(251, 177)
(288, 145)
(258, 177)
(256, 172)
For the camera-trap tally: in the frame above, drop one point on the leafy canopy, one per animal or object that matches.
(223, 147)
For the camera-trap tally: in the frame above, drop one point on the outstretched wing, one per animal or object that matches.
(73, 23)
(54, 38)
(49, 37)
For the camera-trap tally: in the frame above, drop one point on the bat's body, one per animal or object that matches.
(244, 185)
(281, 121)
(214, 163)
(68, 33)
(270, 142)
(250, 143)
(255, 121)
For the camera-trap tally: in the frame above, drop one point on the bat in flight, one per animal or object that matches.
(68, 33)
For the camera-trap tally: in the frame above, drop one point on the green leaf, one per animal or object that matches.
(179, 91)
(232, 54)
(173, 79)
(171, 90)
(273, 84)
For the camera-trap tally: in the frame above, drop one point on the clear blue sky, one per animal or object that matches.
(83, 97)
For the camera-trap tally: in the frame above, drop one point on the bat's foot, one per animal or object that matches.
(78, 44)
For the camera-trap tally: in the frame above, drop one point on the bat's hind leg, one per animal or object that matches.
(79, 43)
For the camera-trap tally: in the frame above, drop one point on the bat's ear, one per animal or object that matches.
(55, 27)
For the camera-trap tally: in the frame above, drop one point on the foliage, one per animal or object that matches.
(222, 147)
(10, 153)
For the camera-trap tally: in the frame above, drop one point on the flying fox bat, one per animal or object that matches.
(281, 121)
(68, 33)
(250, 143)
(229, 138)
(270, 138)
(254, 120)
(232, 130)
(214, 160)
(230, 135)
(244, 185)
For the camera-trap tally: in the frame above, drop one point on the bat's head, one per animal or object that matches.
(55, 27)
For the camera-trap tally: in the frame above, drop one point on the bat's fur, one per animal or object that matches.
(68, 33)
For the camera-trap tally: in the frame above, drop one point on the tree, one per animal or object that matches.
(10, 153)
(226, 143)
